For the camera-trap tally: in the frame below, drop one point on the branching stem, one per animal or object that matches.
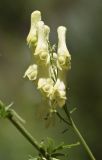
(61, 118)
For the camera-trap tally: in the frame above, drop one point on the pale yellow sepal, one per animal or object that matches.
(31, 72)
(59, 93)
(64, 57)
(32, 36)
(45, 86)
(41, 52)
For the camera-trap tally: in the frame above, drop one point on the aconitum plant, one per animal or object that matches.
(48, 73)
(48, 70)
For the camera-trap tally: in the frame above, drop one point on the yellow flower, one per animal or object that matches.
(58, 93)
(64, 58)
(41, 82)
(32, 36)
(51, 65)
(31, 72)
(41, 51)
(45, 86)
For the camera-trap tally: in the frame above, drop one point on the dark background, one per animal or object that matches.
(83, 19)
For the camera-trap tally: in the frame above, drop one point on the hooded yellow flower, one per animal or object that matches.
(41, 52)
(32, 36)
(31, 72)
(64, 57)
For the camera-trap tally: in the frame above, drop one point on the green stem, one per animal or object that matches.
(82, 140)
(61, 118)
(26, 134)
(77, 132)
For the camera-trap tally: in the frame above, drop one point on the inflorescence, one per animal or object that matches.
(50, 64)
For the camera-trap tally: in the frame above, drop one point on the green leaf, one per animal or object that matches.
(59, 147)
(51, 145)
(54, 159)
(33, 159)
(4, 110)
(71, 145)
(1, 104)
(57, 154)
(43, 146)
(73, 110)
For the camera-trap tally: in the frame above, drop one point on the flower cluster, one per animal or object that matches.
(49, 64)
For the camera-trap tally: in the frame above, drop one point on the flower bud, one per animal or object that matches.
(32, 36)
(31, 72)
(64, 57)
(41, 52)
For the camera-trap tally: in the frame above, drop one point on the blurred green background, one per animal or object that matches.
(83, 19)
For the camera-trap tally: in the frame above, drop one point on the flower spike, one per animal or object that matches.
(50, 65)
